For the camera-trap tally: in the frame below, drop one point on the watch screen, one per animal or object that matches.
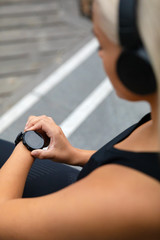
(34, 140)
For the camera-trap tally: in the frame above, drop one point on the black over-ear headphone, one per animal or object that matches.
(133, 66)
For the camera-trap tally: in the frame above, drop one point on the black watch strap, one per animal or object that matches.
(31, 139)
(18, 138)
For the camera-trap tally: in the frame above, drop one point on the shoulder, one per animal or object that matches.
(129, 198)
(127, 181)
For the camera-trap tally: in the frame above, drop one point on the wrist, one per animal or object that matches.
(21, 150)
(80, 157)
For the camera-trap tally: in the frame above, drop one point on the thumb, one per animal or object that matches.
(41, 154)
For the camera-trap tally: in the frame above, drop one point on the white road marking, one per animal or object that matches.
(35, 95)
(77, 117)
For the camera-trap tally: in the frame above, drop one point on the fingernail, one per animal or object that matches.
(34, 153)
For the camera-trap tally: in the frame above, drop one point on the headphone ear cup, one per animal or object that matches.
(136, 73)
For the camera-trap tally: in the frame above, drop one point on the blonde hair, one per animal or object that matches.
(107, 11)
(148, 19)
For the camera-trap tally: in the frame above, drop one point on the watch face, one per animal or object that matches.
(33, 140)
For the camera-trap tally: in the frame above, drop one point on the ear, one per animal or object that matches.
(135, 72)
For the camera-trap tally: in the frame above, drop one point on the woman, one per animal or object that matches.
(118, 192)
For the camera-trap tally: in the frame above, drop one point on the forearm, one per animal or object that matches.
(80, 157)
(14, 172)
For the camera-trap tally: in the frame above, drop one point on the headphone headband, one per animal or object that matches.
(128, 31)
(133, 66)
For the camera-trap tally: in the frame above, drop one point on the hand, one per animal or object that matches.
(59, 149)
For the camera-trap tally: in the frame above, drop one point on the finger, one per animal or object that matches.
(30, 118)
(33, 120)
(36, 125)
(41, 154)
(43, 127)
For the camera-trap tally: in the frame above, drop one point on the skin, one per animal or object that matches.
(113, 202)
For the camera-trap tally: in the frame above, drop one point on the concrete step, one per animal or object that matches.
(25, 49)
(27, 9)
(7, 23)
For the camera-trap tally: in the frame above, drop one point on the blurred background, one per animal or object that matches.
(36, 38)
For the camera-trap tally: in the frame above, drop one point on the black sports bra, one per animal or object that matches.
(146, 162)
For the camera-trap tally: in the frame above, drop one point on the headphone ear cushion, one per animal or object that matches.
(136, 73)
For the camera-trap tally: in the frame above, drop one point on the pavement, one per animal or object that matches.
(99, 124)
(36, 37)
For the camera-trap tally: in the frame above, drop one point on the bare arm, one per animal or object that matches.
(80, 157)
(14, 172)
(97, 207)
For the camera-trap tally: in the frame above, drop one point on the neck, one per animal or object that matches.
(154, 126)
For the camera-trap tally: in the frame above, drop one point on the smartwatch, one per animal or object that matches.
(31, 139)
